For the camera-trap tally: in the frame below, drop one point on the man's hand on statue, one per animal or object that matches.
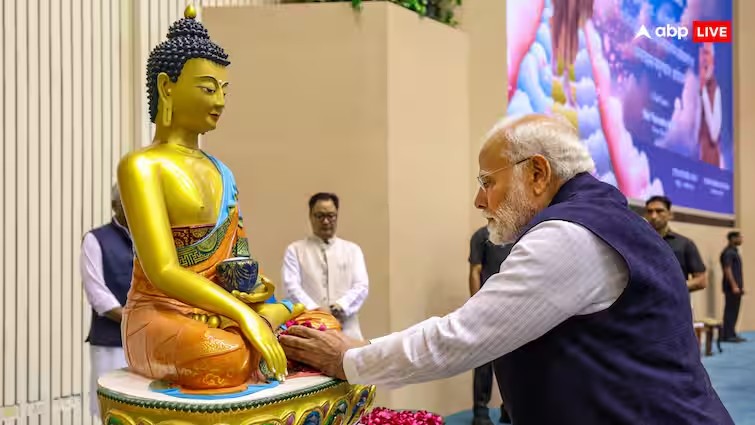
(322, 350)
(258, 333)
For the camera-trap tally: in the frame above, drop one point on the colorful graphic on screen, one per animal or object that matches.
(654, 108)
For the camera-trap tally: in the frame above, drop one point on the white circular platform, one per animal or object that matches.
(136, 387)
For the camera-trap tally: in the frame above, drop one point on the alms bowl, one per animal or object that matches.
(239, 274)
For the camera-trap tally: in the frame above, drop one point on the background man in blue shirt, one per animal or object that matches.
(733, 285)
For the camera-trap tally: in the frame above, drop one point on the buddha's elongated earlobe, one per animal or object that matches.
(165, 102)
(167, 113)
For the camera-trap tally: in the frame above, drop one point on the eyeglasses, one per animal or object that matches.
(323, 216)
(483, 179)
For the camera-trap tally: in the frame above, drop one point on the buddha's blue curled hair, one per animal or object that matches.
(187, 39)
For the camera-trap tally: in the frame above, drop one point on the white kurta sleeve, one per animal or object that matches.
(291, 276)
(354, 298)
(525, 300)
(92, 276)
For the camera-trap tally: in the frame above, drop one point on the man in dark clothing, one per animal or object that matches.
(733, 286)
(658, 213)
(106, 264)
(485, 260)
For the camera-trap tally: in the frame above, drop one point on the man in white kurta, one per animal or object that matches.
(105, 304)
(325, 272)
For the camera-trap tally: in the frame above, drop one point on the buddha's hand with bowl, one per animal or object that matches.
(240, 276)
(259, 294)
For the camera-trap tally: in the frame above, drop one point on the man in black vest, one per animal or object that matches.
(106, 263)
(485, 260)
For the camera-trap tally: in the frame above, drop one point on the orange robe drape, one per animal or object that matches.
(163, 341)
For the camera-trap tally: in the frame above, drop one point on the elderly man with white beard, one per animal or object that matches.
(589, 316)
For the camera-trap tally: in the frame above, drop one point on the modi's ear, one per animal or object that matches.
(541, 173)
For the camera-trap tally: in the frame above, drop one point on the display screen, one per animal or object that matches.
(652, 99)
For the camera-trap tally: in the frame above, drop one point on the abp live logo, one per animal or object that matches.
(711, 31)
(702, 32)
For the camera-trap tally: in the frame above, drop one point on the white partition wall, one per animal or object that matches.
(63, 131)
(72, 101)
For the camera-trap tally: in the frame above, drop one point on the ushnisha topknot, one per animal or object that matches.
(187, 39)
(187, 27)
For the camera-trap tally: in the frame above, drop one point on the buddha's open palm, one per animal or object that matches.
(259, 334)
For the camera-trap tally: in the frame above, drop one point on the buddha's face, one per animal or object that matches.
(197, 98)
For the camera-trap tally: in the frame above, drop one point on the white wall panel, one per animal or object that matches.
(34, 214)
(9, 204)
(44, 246)
(55, 209)
(2, 201)
(76, 224)
(66, 238)
(21, 206)
(64, 110)
(72, 102)
(89, 139)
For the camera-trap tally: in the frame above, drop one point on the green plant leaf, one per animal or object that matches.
(439, 10)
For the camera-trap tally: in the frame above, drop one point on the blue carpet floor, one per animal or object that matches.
(732, 373)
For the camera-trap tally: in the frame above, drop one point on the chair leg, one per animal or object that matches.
(699, 335)
(708, 341)
(718, 340)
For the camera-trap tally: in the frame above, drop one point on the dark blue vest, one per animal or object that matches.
(117, 264)
(637, 362)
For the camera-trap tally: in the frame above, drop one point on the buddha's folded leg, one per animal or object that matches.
(168, 345)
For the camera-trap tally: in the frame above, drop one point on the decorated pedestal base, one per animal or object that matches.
(127, 399)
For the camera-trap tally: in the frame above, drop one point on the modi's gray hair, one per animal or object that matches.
(553, 137)
(115, 194)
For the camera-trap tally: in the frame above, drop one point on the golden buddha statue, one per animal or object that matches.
(180, 324)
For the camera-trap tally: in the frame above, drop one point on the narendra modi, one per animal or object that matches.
(588, 319)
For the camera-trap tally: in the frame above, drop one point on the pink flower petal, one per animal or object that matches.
(383, 416)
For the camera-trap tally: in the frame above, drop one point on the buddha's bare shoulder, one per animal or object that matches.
(141, 160)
